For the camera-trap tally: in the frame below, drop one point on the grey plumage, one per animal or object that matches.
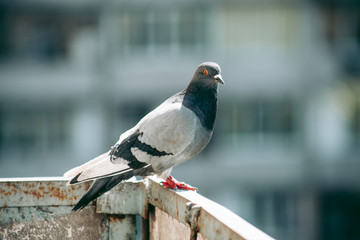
(178, 129)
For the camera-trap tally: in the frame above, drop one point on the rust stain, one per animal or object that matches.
(12, 189)
(5, 193)
(77, 187)
(10, 185)
(61, 195)
(197, 220)
(42, 190)
(118, 218)
(177, 209)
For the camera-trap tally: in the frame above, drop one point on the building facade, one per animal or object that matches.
(284, 155)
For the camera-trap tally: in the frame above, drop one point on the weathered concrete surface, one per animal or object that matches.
(129, 198)
(41, 209)
(122, 227)
(163, 226)
(202, 215)
(168, 201)
(51, 223)
(26, 192)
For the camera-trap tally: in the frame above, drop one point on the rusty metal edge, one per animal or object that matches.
(43, 191)
(33, 179)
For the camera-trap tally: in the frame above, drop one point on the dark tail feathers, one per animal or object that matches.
(99, 187)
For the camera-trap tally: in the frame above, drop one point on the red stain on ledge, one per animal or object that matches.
(42, 189)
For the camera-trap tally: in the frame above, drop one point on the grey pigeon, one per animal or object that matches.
(172, 133)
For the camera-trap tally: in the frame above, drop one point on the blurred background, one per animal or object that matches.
(285, 152)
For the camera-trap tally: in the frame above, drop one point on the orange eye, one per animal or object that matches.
(205, 72)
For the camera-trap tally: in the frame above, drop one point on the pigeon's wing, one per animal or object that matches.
(163, 134)
(150, 145)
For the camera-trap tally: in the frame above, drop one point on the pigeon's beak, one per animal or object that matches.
(218, 78)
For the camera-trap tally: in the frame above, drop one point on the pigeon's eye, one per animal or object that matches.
(205, 72)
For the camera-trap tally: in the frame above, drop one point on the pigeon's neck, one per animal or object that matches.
(202, 100)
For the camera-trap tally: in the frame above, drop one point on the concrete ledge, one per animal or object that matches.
(49, 199)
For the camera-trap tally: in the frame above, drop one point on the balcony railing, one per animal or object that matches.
(40, 208)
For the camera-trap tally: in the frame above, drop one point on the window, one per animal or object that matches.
(44, 35)
(161, 30)
(191, 28)
(137, 29)
(275, 213)
(27, 131)
(260, 116)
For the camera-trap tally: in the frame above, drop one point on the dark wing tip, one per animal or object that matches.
(99, 187)
(75, 179)
(96, 189)
(77, 207)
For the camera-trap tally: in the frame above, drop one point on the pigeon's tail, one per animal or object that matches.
(99, 187)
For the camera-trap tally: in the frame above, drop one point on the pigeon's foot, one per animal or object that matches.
(173, 184)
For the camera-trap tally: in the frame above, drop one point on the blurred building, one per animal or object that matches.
(285, 153)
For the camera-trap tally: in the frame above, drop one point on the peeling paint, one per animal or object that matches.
(35, 193)
(39, 191)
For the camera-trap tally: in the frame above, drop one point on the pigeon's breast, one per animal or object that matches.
(199, 140)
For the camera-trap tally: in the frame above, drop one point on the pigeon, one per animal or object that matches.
(172, 133)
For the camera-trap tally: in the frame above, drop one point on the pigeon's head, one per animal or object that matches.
(209, 73)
